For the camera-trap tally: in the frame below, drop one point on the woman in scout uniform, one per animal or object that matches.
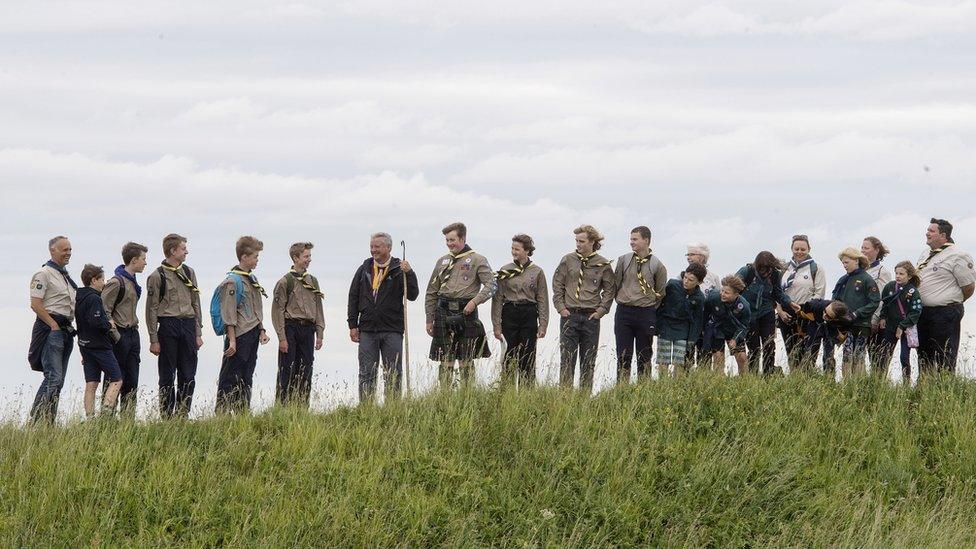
(764, 290)
(802, 281)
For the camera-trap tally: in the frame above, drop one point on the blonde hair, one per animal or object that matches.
(592, 235)
(855, 254)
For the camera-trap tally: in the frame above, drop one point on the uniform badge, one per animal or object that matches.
(739, 306)
(806, 277)
(970, 265)
(232, 291)
(39, 286)
(468, 260)
(445, 261)
(464, 278)
(912, 291)
(935, 268)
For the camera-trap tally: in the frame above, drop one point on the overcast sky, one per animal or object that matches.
(735, 123)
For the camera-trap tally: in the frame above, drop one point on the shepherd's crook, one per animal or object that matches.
(406, 332)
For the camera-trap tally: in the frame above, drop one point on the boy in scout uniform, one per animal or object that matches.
(174, 322)
(948, 280)
(680, 316)
(296, 313)
(520, 311)
(119, 298)
(243, 319)
(52, 298)
(727, 320)
(582, 293)
(461, 281)
(640, 278)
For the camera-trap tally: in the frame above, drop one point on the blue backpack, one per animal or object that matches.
(218, 321)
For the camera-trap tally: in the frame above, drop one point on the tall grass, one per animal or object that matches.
(701, 460)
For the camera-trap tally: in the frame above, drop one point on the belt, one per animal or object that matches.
(300, 321)
(578, 310)
(520, 303)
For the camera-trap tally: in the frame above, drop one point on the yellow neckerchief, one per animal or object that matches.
(505, 274)
(379, 273)
(584, 260)
(250, 278)
(180, 274)
(641, 281)
(307, 285)
(932, 254)
(446, 272)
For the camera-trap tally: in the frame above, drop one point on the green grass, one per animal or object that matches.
(698, 461)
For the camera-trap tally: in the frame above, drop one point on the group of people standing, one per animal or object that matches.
(695, 317)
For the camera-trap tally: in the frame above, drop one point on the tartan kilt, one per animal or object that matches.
(465, 341)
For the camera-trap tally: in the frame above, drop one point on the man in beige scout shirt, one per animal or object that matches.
(52, 297)
(520, 311)
(299, 322)
(461, 281)
(120, 295)
(640, 280)
(582, 293)
(174, 322)
(242, 311)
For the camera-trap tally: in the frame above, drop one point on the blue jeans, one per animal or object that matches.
(54, 359)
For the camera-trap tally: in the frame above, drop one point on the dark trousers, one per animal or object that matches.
(177, 365)
(54, 358)
(761, 344)
(801, 350)
(633, 327)
(888, 349)
(579, 337)
(376, 348)
(520, 326)
(127, 350)
(877, 342)
(295, 367)
(938, 338)
(237, 373)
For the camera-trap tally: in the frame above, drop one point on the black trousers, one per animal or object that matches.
(520, 326)
(761, 344)
(633, 327)
(294, 384)
(127, 350)
(938, 338)
(885, 353)
(579, 337)
(237, 373)
(801, 351)
(177, 365)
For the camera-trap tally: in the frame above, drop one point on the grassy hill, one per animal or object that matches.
(699, 461)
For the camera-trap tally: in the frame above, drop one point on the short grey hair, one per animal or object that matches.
(55, 240)
(385, 237)
(699, 248)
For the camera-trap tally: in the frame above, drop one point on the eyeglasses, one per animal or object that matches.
(802, 237)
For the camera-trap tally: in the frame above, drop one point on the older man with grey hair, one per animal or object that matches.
(52, 297)
(700, 253)
(375, 316)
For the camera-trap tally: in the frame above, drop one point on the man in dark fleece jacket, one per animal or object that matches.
(95, 341)
(375, 315)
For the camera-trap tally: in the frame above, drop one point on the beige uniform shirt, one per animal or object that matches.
(57, 295)
(247, 314)
(711, 282)
(125, 314)
(470, 278)
(531, 286)
(804, 286)
(179, 301)
(628, 288)
(598, 287)
(303, 304)
(945, 276)
(882, 276)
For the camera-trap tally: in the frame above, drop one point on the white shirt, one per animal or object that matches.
(882, 276)
(945, 276)
(711, 282)
(804, 286)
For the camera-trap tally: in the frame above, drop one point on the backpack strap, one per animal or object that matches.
(162, 281)
(121, 294)
(289, 288)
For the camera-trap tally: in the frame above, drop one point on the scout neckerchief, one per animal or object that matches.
(641, 281)
(250, 278)
(301, 277)
(932, 254)
(181, 274)
(584, 260)
(63, 271)
(122, 273)
(379, 273)
(505, 274)
(842, 283)
(795, 268)
(446, 271)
